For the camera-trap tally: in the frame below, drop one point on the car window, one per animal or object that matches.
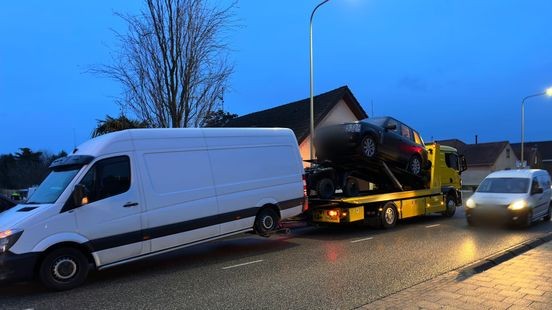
(452, 161)
(535, 184)
(107, 178)
(417, 138)
(406, 132)
(391, 122)
(544, 181)
(504, 185)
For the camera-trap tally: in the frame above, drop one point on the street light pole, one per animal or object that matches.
(312, 83)
(547, 92)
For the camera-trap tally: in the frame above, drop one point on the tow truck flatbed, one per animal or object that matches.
(385, 208)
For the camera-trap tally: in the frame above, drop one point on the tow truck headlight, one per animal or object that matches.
(353, 127)
(8, 238)
(518, 205)
(470, 203)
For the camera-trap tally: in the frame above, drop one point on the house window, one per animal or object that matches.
(507, 153)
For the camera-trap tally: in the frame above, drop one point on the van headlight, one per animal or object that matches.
(353, 127)
(8, 238)
(470, 203)
(518, 205)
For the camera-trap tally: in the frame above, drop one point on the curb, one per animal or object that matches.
(504, 256)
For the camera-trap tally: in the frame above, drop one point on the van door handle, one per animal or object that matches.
(130, 204)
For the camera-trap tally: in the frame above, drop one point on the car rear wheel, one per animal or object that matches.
(368, 147)
(63, 269)
(415, 165)
(351, 188)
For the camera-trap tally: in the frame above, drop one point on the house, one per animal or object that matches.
(537, 154)
(482, 159)
(333, 107)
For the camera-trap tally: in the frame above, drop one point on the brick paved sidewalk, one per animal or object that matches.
(523, 282)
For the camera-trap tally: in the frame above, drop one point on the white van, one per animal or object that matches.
(515, 196)
(136, 193)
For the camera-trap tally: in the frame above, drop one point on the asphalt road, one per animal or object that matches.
(309, 268)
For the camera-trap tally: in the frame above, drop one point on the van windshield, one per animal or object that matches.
(504, 185)
(55, 183)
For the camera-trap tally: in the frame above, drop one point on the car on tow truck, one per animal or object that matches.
(383, 138)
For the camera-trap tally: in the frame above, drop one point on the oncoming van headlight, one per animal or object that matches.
(8, 238)
(518, 205)
(353, 127)
(470, 203)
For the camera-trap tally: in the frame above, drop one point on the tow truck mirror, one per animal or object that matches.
(463, 163)
(390, 126)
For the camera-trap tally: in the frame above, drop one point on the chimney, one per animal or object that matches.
(476, 140)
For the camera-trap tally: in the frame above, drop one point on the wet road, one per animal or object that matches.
(309, 268)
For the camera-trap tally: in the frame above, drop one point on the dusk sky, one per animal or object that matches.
(450, 69)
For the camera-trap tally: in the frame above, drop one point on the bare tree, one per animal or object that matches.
(173, 62)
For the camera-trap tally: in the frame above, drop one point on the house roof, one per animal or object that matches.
(483, 154)
(296, 115)
(543, 147)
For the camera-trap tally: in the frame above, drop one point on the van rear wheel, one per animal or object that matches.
(266, 222)
(63, 269)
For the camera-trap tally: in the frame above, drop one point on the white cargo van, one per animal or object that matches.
(136, 193)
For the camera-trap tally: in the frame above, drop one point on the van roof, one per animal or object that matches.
(518, 173)
(121, 141)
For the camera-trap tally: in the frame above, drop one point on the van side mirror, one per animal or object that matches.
(537, 190)
(390, 127)
(79, 195)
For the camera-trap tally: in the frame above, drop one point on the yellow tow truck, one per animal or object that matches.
(383, 207)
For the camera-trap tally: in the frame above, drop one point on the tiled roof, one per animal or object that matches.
(543, 147)
(483, 154)
(296, 115)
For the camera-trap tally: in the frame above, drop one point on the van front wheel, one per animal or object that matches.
(63, 269)
(266, 221)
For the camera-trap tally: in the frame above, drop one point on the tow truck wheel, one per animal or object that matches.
(451, 206)
(351, 188)
(325, 188)
(388, 215)
(63, 269)
(266, 221)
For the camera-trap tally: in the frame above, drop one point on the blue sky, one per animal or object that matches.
(450, 69)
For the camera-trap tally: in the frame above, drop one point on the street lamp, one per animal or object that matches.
(312, 83)
(548, 92)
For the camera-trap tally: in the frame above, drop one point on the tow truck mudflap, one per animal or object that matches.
(338, 215)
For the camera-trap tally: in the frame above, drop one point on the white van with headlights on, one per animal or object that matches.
(513, 196)
(136, 193)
